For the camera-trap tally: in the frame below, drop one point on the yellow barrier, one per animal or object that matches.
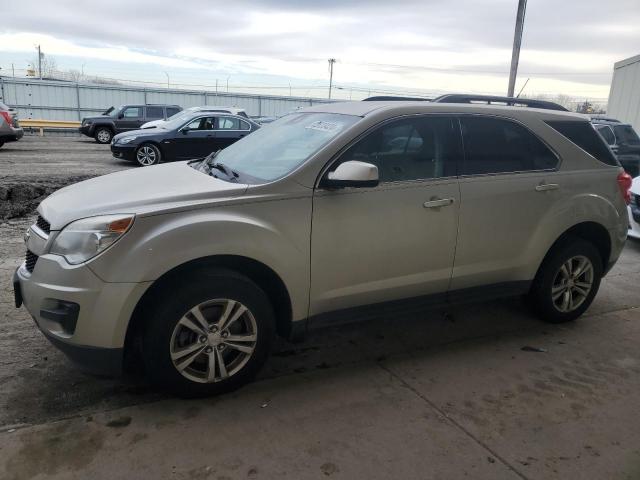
(42, 124)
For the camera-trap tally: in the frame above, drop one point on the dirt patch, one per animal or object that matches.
(22, 198)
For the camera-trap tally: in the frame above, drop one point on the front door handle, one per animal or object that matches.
(545, 187)
(439, 202)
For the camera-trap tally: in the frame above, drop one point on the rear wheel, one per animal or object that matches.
(208, 336)
(567, 281)
(103, 135)
(148, 154)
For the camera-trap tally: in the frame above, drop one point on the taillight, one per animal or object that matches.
(7, 117)
(624, 182)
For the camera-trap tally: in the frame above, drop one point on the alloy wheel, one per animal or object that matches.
(572, 284)
(213, 340)
(146, 155)
(104, 136)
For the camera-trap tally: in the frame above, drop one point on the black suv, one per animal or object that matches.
(623, 141)
(123, 119)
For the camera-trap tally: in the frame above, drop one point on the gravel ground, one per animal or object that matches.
(485, 392)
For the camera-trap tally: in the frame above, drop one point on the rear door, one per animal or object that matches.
(508, 184)
(153, 112)
(229, 130)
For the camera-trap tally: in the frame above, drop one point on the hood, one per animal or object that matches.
(139, 191)
(138, 133)
(96, 117)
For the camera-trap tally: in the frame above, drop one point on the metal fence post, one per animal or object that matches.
(259, 106)
(205, 97)
(2, 89)
(78, 100)
(145, 95)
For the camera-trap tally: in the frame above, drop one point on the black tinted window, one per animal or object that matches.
(494, 145)
(412, 149)
(626, 134)
(204, 123)
(154, 113)
(584, 135)
(172, 111)
(606, 133)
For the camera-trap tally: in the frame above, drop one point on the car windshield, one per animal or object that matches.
(626, 134)
(273, 152)
(178, 120)
(112, 112)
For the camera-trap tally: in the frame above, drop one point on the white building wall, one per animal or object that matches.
(624, 96)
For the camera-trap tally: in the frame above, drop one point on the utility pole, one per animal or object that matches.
(39, 63)
(331, 62)
(517, 41)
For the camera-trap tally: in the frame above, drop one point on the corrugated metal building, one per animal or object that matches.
(58, 100)
(624, 97)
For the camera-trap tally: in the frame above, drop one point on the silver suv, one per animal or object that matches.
(194, 266)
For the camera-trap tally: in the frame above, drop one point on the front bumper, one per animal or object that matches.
(126, 152)
(86, 130)
(95, 340)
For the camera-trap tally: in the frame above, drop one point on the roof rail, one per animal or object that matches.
(385, 98)
(491, 99)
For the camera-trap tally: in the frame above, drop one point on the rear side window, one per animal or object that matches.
(228, 123)
(626, 134)
(584, 135)
(495, 145)
(607, 134)
(154, 113)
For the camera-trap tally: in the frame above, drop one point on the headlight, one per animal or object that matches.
(84, 239)
(127, 139)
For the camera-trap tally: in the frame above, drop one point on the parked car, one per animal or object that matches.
(623, 140)
(123, 119)
(188, 136)
(10, 129)
(209, 108)
(634, 209)
(323, 217)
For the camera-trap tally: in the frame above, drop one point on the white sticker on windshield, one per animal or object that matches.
(324, 126)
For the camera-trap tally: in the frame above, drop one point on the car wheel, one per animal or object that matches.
(209, 335)
(148, 154)
(103, 135)
(567, 281)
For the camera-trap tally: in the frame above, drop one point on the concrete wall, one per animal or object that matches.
(55, 100)
(624, 97)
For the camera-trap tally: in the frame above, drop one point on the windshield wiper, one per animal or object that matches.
(209, 161)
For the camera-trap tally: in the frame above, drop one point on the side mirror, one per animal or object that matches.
(352, 174)
(120, 116)
(185, 130)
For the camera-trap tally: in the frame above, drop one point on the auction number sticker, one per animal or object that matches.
(324, 126)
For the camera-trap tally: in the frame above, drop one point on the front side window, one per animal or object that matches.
(410, 149)
(204, 123)
(132, 112)
(496, 145)
(228, 123)
(154, 113)
(607, 134)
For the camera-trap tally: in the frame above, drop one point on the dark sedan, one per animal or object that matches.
(182, 139)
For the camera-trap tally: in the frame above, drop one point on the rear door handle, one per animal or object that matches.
(436, 203)
(544, 187)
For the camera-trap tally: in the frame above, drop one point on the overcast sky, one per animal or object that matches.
(569, 46)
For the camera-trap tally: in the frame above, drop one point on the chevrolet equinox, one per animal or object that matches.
(331, 213)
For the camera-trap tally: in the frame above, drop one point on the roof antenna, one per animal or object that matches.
(525, 84)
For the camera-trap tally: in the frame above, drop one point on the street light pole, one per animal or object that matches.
(517, 41)
(167, 79)
(39, 63)
(331, 62)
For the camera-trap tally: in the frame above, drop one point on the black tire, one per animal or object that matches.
(550, 277)
(173, 303)
(148, 154)
(103, 135)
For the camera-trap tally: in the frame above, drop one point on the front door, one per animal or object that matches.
(396, 240)
(130, 119)
(195, 140)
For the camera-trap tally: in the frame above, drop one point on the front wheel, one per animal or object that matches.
(567, 281)
(148, 154)
(103, 135)
(209, 335)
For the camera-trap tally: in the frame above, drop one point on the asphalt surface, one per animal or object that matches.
(482, 391)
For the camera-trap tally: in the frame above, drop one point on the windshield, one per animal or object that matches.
(112, 112)
(626, 134)
(177, 120)
(273, 152)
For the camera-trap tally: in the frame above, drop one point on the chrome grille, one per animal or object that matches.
(43, 225)
(31, 260)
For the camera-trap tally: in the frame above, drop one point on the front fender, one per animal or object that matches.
(273, 233)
